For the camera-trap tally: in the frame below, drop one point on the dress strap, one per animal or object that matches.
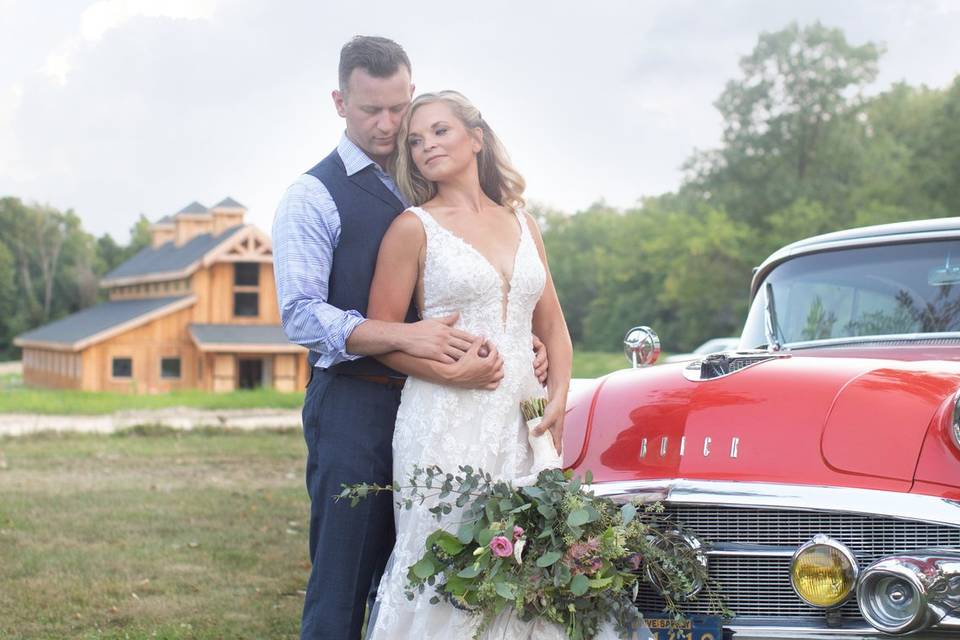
(425, 218)
(522, 219)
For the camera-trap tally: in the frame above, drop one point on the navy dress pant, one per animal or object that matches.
(348, 427)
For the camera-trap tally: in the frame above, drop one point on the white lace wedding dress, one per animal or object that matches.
(447, 426)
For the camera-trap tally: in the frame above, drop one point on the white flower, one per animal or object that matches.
(518, 549)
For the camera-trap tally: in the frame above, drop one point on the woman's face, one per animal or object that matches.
(440, 144)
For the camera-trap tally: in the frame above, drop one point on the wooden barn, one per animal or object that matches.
(196, 309)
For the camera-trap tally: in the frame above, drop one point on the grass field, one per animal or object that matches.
(15, 398)
(591, 364)
(152, 535)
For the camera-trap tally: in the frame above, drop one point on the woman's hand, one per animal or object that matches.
(481, 367)
(540, 363)
(553, 415)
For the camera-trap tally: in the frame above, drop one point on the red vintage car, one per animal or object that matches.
(819, 464)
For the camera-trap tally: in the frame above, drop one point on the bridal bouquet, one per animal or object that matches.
(551, 550)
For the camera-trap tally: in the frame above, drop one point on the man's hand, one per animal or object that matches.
(474, 371)
(436, 339)
(540, 363)
(553, 415)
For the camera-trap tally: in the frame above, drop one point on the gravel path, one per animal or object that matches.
(11, 366)
(181, 418)
(18, 424)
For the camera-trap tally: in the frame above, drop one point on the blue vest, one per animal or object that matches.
(366, 207)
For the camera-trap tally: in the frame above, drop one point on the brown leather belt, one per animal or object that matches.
(387, 381)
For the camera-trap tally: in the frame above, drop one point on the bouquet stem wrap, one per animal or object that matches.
(545, 454)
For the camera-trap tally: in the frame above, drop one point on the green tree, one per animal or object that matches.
(8, 303)
(780, 121)
(53, 259)
(579, 248)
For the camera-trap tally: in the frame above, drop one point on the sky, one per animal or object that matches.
(115, 108)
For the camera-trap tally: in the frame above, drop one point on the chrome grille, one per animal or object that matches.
(760, 585)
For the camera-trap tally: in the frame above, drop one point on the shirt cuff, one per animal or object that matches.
(351, 321)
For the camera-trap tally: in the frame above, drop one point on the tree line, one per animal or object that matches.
(803, 152)
(50, 267)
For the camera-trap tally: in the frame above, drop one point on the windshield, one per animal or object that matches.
(872, 291)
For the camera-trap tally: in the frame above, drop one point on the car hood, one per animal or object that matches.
(833, 421)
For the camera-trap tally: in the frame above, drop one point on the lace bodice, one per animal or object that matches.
(457, 277)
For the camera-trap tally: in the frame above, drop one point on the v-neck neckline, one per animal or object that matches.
(504, 282)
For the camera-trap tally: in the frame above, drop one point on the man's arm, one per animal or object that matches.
(306, 230)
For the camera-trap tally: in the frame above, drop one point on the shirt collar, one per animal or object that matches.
(354, 158)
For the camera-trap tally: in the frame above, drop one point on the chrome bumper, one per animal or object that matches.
(935, 574)
(817, 632)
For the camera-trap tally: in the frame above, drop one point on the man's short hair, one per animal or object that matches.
(380, 57)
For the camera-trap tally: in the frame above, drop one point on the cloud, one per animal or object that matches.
(163, 103)
(105, 15)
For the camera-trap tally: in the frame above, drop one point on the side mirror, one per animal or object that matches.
(641, 345)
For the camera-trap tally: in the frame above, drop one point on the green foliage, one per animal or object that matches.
(803, 153)
(50, 267)
(552, 550)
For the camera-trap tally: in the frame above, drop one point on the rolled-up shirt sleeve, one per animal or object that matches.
(306, 230)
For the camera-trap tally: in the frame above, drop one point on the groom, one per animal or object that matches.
(326, 236)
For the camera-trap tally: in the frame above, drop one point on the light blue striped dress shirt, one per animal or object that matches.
(306, 230)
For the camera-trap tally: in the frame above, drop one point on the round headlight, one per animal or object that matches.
(823, 572)
(670, 539)
(892, 601)
(891, 598)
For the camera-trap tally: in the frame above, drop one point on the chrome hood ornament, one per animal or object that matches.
(719, 365)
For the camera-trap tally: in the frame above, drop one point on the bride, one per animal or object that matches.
(466, 246)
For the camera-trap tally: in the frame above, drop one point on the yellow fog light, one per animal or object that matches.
(823, 572)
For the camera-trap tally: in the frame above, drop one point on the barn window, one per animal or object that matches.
(122, 367)
(170, 368)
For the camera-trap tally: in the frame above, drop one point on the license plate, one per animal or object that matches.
(693, 628)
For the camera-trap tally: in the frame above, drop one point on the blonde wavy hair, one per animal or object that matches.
(498, 178)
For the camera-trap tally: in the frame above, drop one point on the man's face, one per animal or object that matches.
(373, 108)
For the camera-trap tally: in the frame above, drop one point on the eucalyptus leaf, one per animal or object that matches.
(465, 532)
(547, 511)
(506, 590)
(424, 568)
(472, 571)
(485, 536)
(548, 558)
(450, 544)
(578, 518)
(579, 585)
(533, 492)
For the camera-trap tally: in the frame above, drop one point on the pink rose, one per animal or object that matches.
(501, 547)
(517, 532)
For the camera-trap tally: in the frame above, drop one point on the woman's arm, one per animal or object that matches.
(394, 284)
(384, 330)
(550, 326)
